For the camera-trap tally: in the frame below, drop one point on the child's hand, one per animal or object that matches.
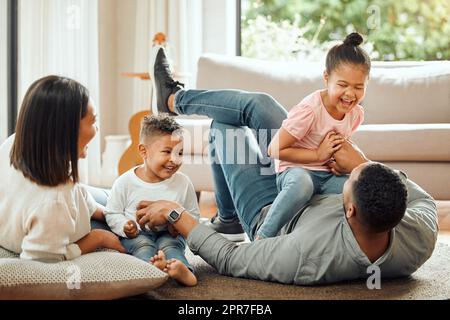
(330, 144)
(131, 230)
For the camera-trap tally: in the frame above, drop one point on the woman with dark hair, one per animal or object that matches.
(51, 222)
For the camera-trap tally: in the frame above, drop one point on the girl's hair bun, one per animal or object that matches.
(353, 39)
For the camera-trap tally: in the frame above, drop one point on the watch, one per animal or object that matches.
(175, 214)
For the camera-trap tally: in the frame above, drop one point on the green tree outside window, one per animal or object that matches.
(306, 29)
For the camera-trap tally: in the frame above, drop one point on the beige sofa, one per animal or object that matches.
(407, 112)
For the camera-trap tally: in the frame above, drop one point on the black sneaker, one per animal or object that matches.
(163, 82)
(231, 230)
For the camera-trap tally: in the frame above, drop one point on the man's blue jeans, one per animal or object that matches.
(147, 244)
(242, 186)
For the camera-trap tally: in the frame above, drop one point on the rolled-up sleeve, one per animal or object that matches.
(416, 233)
(422, 219)
(273, 259)
(92, 205)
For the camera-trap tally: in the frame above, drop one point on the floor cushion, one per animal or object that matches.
(97, 275)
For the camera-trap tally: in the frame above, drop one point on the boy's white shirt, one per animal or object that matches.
(128, 190)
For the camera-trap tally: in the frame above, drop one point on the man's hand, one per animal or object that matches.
(131, 230)
(330, 144)
(348, 157)
(154, 213)
(174, 233)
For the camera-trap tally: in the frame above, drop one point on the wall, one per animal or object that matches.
(117, 19)
(3, 73)
(116, 24)
(108, 66)
(219, 26)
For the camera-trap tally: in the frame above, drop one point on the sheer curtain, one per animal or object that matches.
(3, 74)
(61, 37)
(181, 21)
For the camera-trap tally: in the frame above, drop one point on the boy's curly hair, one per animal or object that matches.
(157, 125)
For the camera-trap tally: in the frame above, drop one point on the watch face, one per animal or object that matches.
(173, 215)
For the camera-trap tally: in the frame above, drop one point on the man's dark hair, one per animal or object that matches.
(157, 125)
(45, 147)
(380, 196)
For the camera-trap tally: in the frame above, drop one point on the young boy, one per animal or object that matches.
(161, 147)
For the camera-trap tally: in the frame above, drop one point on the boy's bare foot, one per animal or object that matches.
(178, 271)
(159, 260)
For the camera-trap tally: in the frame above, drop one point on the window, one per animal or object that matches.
(8, 67)
(305, 29)
(3, 73)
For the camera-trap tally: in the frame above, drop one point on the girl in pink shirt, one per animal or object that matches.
(314, 130)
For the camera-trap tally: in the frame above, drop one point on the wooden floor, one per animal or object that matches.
(208, 209)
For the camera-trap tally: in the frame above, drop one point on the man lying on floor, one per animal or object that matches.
(382, 218)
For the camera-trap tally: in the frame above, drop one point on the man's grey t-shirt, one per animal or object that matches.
(318, 246)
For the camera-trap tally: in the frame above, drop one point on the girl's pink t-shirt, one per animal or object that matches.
(309, 122)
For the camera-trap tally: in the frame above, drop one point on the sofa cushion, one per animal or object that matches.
(288, 82)
(404, 142)
(419, 93)
(408, 92)
(97, 275)
(433, 177)
(381, 142)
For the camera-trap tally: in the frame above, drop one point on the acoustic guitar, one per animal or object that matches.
(131, 157)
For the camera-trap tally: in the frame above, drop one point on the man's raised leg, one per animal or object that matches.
(236, 107)
(242, 177)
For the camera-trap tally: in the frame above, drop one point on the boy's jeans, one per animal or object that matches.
(147, 244)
